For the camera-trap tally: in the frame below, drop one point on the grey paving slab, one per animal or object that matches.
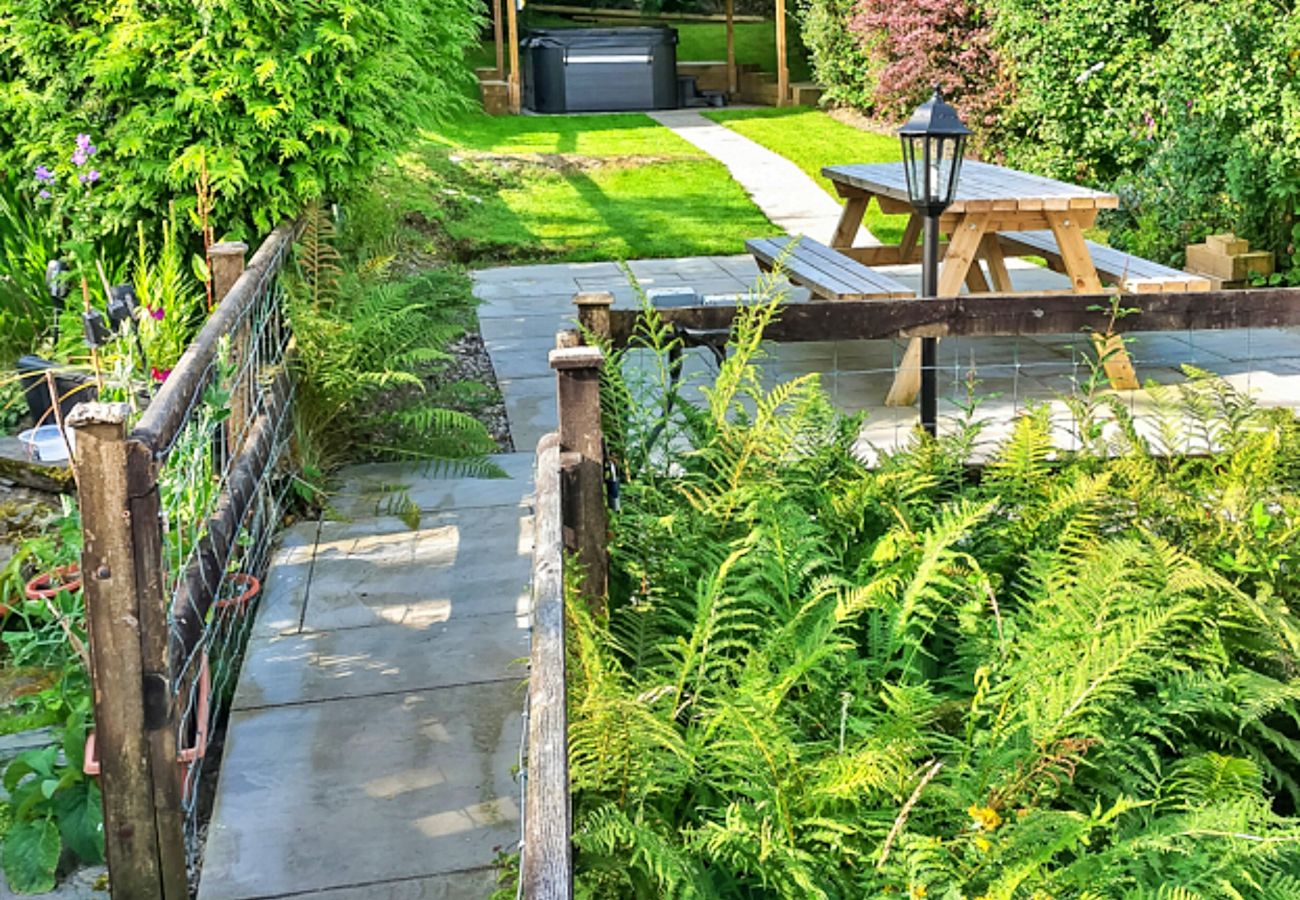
(364, 791)
(464, 562)
(523, 362)
(356, 662)
(284, 590)
(477, 884)
(370, 490)
(512, 301)
(530, 406)
(512, 332)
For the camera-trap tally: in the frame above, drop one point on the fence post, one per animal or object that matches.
(578, 393)
(228, 261)
(135, 728)
(593, 311)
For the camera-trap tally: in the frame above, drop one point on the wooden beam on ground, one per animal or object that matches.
(546, 866)
(999, 315)
(516, 90)
(782, 63)
(733, 77)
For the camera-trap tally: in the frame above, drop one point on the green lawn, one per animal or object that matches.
(485, 191)
(613, 134)
(811, 139)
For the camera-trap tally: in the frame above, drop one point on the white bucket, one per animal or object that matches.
(46, 443)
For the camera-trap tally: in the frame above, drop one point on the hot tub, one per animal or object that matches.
(600, 69)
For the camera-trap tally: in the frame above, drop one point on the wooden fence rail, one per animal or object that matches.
(569, 524)
(146, 614)
(976, 315)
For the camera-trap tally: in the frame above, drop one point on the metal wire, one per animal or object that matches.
(237, 421)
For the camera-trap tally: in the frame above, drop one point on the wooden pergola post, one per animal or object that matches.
(516, 96)
(733, 79)
(782, 67)
(499, 39)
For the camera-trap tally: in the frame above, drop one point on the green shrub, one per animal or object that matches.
(1226, 134)
(841, 60)
(280, 103)
(1084, 75)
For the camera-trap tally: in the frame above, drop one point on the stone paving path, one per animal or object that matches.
(789, 197)
(377, 721)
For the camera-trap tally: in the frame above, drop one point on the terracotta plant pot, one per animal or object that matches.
(248, 586)
(185, 756)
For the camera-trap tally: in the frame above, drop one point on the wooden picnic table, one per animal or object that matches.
(994, 206)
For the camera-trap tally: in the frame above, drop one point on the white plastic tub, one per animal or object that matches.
(46, 443)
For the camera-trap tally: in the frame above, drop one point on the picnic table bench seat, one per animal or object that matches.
(1132, 274)
(828, 273)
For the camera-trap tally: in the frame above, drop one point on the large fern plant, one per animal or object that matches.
(1071, 676)
(366, 345)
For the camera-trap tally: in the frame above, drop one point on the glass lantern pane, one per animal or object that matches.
(944, 187)
(913, 165)
(958, 148)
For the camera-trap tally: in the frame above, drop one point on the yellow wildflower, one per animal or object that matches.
(918, 891)
(982, 843)
(986, 817)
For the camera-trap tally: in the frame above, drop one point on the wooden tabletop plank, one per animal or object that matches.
(978, 184)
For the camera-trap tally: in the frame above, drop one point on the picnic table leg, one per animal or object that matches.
(910, 235)
(991, 250)
(1084, 280)
(963, 245)
(850, 220)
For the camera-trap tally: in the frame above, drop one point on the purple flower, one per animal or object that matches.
(44, 175)
(85, 150)
(44, 195)
(89, 177)
(158, 313)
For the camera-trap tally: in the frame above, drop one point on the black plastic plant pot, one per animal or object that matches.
(71, 387)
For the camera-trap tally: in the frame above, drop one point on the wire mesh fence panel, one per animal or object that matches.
(223, 483)
(179, 513)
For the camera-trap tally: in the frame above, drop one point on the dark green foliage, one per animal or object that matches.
(280, 102)
(1072, 677)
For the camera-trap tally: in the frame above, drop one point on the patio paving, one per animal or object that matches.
(376, 727)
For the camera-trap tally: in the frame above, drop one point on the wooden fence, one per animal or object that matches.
(167, 507)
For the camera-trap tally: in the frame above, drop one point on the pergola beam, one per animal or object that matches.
(499, 39)
(733, 79)
(512, 17)
(782, 64)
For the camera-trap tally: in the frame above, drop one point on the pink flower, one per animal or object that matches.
(158, 313)
(159, 375)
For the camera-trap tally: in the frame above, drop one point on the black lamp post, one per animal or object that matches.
(933, 141)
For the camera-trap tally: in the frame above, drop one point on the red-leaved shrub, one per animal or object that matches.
(927, 43)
